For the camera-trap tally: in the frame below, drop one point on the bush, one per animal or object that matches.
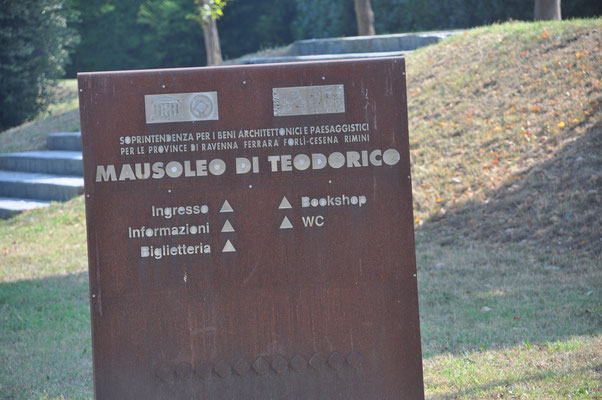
(248, 26)
(34, 38)
(324, 18)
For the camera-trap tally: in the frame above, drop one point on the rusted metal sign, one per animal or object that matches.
(250, 232)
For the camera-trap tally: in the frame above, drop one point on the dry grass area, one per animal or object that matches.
(506, 140)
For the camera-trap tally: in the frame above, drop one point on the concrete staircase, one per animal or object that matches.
(33, 179)
(350, 47)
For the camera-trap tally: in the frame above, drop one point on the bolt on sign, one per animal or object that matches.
(250, 232)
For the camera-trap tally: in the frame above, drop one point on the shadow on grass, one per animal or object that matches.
(475, 297)
(553, 207)
(523, 266)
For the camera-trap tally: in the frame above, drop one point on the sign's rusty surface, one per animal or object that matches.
(250, 240)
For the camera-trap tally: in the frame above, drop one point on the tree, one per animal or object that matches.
(364, 17)
(209, 12)
(547, 10)
(34, 39)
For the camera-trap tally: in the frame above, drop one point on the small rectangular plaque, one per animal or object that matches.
(308, 100)
(181, 107)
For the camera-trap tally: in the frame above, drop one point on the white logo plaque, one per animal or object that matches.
(181, 107)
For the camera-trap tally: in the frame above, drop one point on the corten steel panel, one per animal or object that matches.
(259, 300)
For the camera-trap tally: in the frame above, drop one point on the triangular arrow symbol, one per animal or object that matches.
(228, 227)
(226, 207)
(228, 247)
(286, 224)
(284, 204)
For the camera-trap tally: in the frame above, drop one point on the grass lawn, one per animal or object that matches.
(506, 179)
(495, 322)
(45, 343)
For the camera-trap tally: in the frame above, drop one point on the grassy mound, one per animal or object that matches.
(506, 139)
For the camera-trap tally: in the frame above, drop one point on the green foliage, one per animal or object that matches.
(417, 15)
(173, 38)
(137, 34)
(324, 18)
(111, 36)
(206, 10)
(34, 38)
(251, 25)
(329, 18)
(581, 9)
(213, 9)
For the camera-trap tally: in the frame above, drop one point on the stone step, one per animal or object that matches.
(13, 206)
(70, 141)
(367, 44)
(318, 57)
(38, 186)
(45, 161)
(349, 47)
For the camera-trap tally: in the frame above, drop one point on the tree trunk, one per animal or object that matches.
(212, 46)
(364, 17)
(547, 9)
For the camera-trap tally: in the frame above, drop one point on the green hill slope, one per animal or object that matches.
(505, 135)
